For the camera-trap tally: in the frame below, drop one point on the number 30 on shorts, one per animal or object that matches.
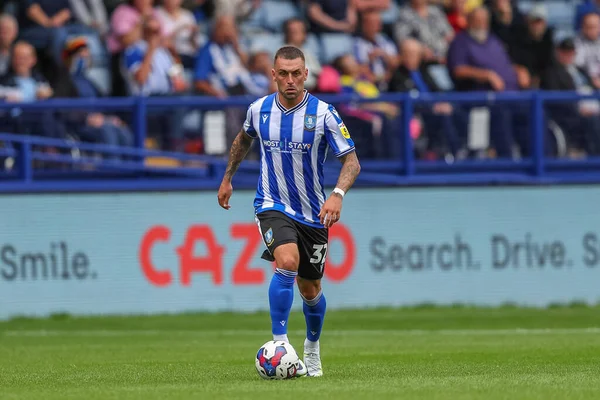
(319, 254)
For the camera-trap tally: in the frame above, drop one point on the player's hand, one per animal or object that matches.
(331, 211)
(225, 192)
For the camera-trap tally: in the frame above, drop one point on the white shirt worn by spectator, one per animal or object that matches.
(159, 79)
(90, 11)
(587, 56)
(431, 31)
(183, 24)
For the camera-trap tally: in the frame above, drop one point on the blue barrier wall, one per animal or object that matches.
(534, 168)
(173, 252)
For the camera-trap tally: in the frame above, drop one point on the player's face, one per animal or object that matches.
(290, 76)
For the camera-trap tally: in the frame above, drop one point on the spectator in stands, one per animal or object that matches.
(376, 54)
(332, 16)
(260, 65)
(93, 127)
(91, 13)
(587, 46)
(477, 60)
(586, 7)
(8, 33)
(239, 9)
(126, 25)
(46, 24)
(382, 116)
(152, 71)
(294, 34)
(580, 121)
(428, 24)
(28, 85)
(180, 27)
(440, 119)
(506, 21)
(221, 71)
(534, 49)
(457, 15)
(221, 64)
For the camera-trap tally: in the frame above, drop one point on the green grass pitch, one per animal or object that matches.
(417, 353)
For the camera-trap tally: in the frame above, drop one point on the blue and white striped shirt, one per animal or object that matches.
(294, 145)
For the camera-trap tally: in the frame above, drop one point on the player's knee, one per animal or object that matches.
(288, 262)
(309, 289)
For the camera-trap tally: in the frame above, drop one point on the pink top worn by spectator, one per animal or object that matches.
(123, 20)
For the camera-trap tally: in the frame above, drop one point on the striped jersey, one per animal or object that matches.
(294, 144)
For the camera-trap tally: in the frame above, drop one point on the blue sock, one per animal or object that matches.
(314, 313)
(281, 297)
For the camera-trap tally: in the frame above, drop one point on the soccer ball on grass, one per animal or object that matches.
(276, 360)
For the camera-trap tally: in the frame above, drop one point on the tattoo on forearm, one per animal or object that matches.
(349, 172)
(239, 149)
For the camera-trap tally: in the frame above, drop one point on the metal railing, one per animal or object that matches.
(206, 171)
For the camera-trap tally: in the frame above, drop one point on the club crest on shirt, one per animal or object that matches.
(310, 122)
(269, 237)
(344, 130)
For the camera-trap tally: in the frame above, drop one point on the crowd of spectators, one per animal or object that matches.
(221, 48)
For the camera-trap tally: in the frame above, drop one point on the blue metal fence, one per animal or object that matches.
(133, 174)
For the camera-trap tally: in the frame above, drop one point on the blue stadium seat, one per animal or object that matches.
(561, 13)
(334, 45)
(277, 12)
(269, 42)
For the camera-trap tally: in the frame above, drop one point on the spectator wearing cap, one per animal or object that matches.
(92, 127)
(581, 121)
(376, 54)
(429, 25)
(294, 34)
(477, 60)
(332, 16)
(585, 8)
(534, 50)
(179, 25)
(8, 33)
(46, 24)
(587, 46)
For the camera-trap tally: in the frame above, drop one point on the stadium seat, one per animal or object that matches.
(269, 42)
(561, 13)
(277, 12)
(334, 45)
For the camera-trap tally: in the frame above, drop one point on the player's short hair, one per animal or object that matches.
(289, 53)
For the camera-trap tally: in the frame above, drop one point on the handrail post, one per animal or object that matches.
(140, 123)
(25, 165)
(537, 134)
(407, 114)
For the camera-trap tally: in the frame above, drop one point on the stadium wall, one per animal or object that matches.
(123, 253)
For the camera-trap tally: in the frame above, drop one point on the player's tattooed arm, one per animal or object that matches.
(240, 147)
(349, 172)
